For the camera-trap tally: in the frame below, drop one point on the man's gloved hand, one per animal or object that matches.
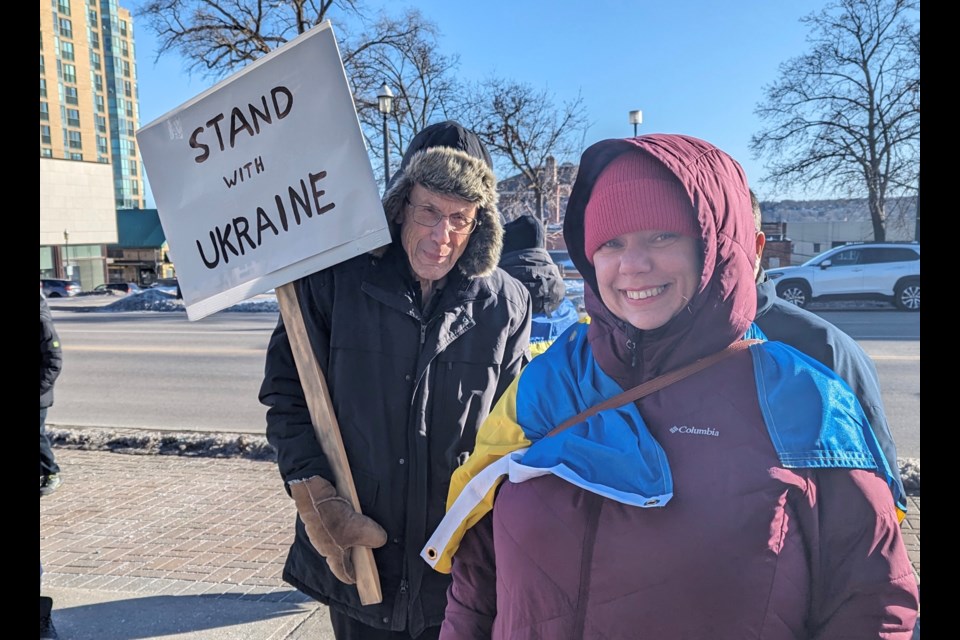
(333, 526)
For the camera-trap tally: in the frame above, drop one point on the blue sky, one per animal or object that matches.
(692, 66)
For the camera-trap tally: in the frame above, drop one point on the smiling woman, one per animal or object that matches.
(661, 227)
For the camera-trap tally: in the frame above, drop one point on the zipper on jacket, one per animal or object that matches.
(423, 333)
(593, 505)
(400, 609)
(632, 348)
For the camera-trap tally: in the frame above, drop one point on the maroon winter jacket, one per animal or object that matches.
(746, 548)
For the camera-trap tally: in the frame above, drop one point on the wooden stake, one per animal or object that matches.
(327, 430)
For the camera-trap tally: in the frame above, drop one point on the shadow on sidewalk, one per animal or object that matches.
(214, 615)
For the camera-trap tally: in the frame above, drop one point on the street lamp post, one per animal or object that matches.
(66, 254)
(385, 106)
(636, 119)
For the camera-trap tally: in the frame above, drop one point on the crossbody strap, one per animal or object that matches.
(651, 386)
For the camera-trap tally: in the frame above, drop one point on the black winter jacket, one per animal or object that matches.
(409, 393)
(539, 274)
(51, 357)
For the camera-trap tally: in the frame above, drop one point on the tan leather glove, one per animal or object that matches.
(333, 526)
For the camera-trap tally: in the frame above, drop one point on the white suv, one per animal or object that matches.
(865, 270)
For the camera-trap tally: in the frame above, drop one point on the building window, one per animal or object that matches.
(130, 130)
(133, 167)
(125, 65)
(98, 101)
(66, 28)
(101, 144)
(94, 40)
(135, 187)
(101, 124)
(123, 28)
(46, 153)
(70, 95)
(66, 50)
(73, 140)
(70, 73)
(103, 159)
(44, 110)
(74, 156)
(73, 118)
(43, 87)
(63, 6)
(97, 82)
(43, 67)
(45, 134)
(127, 89)
(92, 18)
(124, 50)
(95, 60)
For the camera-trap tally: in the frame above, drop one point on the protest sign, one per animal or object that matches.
(264, 178)
(259, 181)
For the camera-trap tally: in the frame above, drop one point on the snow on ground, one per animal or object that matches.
(154, 299)
(165, 299)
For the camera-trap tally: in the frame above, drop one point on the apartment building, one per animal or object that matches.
(88, 114)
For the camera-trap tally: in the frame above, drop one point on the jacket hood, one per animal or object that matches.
(725, 302)
(539, 274)
(463, 171)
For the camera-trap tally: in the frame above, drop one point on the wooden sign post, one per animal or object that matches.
(327, 430)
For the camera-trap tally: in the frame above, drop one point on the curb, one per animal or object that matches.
(245, 445)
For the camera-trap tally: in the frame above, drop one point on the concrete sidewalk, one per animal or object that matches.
(186, 548)
(159, 546)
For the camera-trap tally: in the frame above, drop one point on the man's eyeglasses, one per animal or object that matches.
(428, 216)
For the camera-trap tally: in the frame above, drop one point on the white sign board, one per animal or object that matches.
(264, 178)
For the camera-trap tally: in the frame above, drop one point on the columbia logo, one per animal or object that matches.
(696, 431)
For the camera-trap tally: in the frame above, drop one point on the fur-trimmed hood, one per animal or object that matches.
(463, 174)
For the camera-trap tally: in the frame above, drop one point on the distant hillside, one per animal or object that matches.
(517, 199)
(899, 210)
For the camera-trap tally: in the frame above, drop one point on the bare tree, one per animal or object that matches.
(846, 116)
(421, 78)
(523, 129)
(217, 37)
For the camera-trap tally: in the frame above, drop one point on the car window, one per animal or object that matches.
(845, 258)
(889, 254)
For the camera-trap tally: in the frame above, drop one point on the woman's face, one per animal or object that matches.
(648, 277)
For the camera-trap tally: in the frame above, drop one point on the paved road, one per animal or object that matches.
(158, 371)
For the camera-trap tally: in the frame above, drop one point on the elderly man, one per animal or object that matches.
(417, 341)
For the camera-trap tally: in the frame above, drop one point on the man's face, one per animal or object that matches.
(433, 251)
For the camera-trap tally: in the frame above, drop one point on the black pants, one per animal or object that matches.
(346, 628)
(47, 463)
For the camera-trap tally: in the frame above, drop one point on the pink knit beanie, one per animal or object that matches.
(636, 192)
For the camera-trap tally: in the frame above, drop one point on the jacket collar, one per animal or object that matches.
(391, 282)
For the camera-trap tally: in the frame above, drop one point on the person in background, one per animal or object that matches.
(525, 257)
(416, 341)
(807, 332)
(738, 493)
(51, 361)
